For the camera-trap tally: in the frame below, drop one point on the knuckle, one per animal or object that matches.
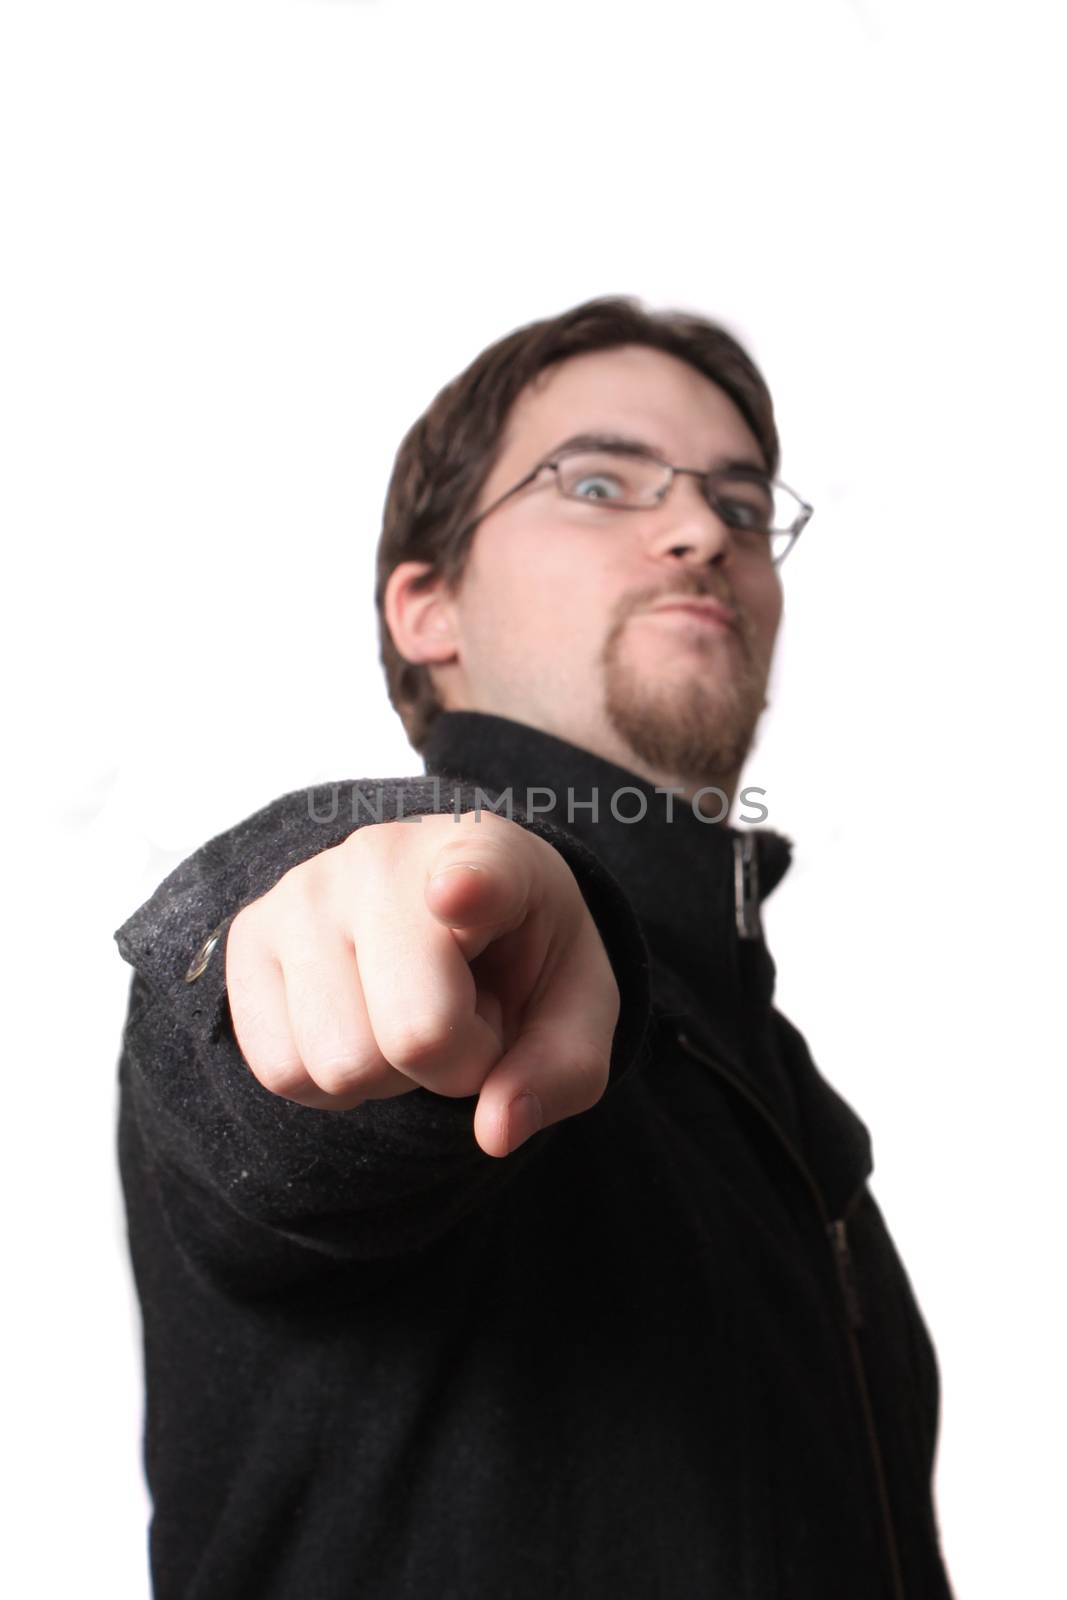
(344, 1074)
(588, 1076)
(299, 891)
(612, 992)
(481, 828)
(414, 1043)
(263, 927)
(362, 841)
(335, 1046)
(286, 1079)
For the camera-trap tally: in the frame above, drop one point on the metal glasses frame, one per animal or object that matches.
(800, 522)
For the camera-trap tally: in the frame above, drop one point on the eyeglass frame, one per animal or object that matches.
(622, 447)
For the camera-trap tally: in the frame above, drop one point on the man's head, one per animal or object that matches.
(549, 609)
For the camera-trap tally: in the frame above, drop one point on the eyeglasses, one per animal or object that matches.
(764, 516)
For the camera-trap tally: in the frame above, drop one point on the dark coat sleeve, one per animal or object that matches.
(245, 1176)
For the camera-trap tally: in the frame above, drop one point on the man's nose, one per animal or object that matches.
(687, 528)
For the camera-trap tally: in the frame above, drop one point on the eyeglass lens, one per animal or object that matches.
(620, 480)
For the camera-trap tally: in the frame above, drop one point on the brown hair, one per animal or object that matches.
(447, 455)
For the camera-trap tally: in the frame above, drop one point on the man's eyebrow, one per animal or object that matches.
(628, 444)
(624, 442)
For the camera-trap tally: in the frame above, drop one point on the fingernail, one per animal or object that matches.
(457, 866)
(524, 1117)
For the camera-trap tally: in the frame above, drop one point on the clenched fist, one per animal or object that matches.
(455, 956)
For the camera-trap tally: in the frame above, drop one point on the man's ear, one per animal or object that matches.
(421, 619)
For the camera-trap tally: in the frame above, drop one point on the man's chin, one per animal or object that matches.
(702, 743)
(686, 701)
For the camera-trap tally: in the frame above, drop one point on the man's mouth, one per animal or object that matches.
(712, 613)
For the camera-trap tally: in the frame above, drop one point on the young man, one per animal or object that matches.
(495, 1234)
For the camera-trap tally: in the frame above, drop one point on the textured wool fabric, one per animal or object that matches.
(665, 1349)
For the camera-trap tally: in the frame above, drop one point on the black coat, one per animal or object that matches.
(667, 1349)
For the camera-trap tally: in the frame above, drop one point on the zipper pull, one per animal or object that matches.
(746, 888)
(843, 1256)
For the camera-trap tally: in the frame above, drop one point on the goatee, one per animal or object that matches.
(698, 725)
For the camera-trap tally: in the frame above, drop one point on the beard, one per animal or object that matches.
(698, 721)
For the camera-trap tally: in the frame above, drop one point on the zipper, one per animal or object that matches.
(746, 888)
(836, 1230)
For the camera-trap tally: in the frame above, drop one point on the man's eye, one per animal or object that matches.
(744, 516)
(598, 486)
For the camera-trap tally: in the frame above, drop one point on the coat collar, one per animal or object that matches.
(680, 872)
(500, 752)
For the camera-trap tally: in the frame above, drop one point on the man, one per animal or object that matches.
(495, 1235)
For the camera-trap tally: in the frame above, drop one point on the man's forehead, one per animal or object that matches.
(633, 391)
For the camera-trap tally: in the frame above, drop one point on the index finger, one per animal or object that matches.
(421, 997)
(560, 1062)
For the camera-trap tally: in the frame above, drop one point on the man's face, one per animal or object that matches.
(552, 619)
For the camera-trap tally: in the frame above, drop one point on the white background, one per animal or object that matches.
(245, 243)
